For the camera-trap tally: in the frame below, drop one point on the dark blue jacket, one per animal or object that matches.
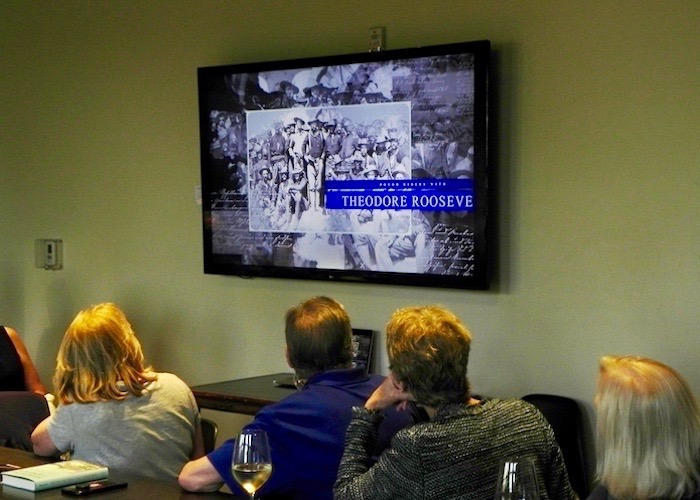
(306, 431)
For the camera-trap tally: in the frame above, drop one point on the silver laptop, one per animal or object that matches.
(362, 350)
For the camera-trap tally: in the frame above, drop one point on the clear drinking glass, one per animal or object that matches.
(251, 463)
(517, 480)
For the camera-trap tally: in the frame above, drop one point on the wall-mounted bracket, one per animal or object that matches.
(48, 254)
(376, 39)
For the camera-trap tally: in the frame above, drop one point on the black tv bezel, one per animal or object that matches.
(222, 264)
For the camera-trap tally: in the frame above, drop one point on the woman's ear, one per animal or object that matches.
(397, 384)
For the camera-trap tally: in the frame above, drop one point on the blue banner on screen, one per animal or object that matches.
(426, 195)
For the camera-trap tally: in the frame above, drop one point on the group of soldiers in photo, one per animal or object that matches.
(290, 164)
(276, 143)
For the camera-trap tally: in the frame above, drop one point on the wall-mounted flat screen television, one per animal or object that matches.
(368, 167)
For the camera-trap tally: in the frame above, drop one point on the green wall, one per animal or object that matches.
(598, 124)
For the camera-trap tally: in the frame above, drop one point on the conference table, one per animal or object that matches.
(244, 395)
(138, 488)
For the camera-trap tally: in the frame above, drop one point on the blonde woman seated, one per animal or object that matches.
(113, 409)
(648, 441)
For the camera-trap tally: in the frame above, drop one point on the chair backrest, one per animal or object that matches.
(209, 433)
(565, 416)
(20, 413)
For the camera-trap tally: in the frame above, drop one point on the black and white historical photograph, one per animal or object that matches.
(278, 137)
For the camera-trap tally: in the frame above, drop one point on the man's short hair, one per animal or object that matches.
(319, 336)
(428, 351)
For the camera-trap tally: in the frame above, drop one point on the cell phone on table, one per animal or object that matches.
(91, 488)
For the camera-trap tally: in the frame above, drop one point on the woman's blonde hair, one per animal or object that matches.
(428, 351)
(648, 439)
(100, 358)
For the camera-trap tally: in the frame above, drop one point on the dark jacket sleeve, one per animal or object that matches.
(391, 477)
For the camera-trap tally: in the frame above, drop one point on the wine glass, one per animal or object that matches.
(517, 480)
(251, 463)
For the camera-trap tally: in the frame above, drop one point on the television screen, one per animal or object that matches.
(365, 167)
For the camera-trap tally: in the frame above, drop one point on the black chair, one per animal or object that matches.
(20, 413)
(566, 418)
(209, 432)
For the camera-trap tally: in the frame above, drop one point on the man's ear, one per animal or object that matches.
(287, 357)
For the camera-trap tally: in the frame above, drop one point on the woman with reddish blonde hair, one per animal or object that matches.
(648, 431)
(458, 452)
(113, 408)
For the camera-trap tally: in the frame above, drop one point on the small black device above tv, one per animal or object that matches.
(369, 167)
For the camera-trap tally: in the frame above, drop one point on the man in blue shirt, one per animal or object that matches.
(306, 430)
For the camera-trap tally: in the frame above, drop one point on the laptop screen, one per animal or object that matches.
(362, 348)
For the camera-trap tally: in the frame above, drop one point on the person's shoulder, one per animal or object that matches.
(169, 382)
(79, 411)
(314, 398)
(411, 435)
(363, 384)
(510, 404)
(286, 404)
(512, 407)
(12, 333)
(170, 378)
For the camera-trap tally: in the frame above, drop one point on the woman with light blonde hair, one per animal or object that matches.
(113, 408)
(648, 431)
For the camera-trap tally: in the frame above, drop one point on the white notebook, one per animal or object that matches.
(54, 475)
